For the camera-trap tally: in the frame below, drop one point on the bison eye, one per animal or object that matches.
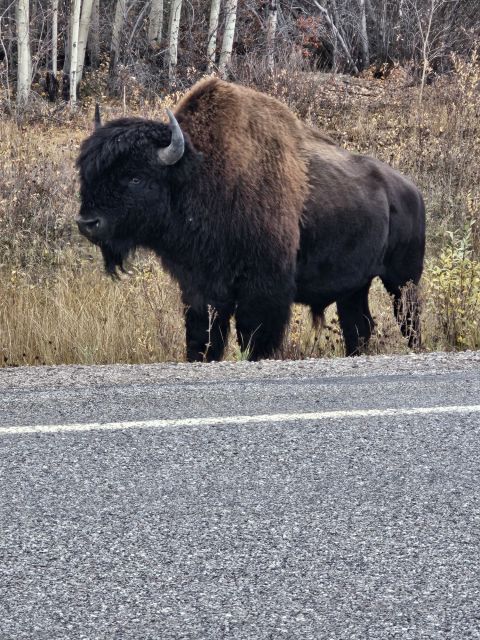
(134, 180)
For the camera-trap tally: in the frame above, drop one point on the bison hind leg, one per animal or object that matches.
(356, 320)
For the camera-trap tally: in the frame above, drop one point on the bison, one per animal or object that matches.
(251, 210)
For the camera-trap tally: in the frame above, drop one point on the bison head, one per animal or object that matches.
(126, 184)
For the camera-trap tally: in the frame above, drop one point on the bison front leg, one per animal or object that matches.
(261, 324)
(206, 333)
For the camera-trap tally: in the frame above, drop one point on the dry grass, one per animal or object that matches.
(80, 316)
(56, 306)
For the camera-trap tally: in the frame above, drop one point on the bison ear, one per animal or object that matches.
(97, 120)
(175, 150)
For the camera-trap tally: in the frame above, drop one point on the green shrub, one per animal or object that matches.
(452, 283)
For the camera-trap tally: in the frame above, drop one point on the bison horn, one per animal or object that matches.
(172, 154)
(97, 120)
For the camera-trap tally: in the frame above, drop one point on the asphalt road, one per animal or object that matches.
(321, 499)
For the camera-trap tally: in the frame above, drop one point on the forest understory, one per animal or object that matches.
(58, 307)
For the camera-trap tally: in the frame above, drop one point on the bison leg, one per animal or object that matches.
(355, 320)
(261, 324)
(206, 333)
(406, 307)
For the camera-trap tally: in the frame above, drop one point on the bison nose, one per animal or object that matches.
(88, 227)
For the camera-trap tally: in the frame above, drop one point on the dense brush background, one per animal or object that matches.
(57, 306)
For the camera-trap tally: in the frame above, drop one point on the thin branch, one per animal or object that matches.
(137, 23)
(337, 34)
(6, 64)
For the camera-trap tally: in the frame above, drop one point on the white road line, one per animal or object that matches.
(224, 420)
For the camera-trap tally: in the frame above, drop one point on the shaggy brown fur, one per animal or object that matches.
(260, 211)
(254, 149)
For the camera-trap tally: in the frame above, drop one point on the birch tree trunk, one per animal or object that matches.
(173, 32)
(54, 37)
(118, 22)
(23, 45)
(77, 5)
(228, 36)
(212, 33)
(155, 24)
(271, 32)
(364, 35)
(93, 43)
(85, 19)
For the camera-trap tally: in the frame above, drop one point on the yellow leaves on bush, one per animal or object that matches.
(452, 282)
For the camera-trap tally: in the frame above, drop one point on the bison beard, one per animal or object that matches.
(114, 256)
(250, 211)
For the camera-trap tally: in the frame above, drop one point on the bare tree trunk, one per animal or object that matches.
(155, 24)
(371, 11)
(364, 35)
(212, 33)
(228, 36)
(7, 69)
(93, 42)
(83, 36)
(54, 37)
(338, 35)
(68, 39)
(335, 54)
(66, 61)
(173, 32)
(23, 45)
(271, 32)
(118, 22)
(77, 5)
(425, 36)
(34, 26)
(334, 37)
(383, 28)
